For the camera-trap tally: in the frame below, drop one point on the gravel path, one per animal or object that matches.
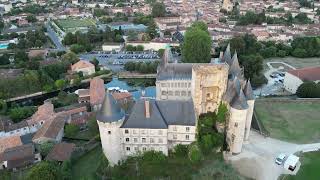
(257, 159)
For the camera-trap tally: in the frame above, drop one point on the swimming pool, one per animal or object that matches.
(3, 46)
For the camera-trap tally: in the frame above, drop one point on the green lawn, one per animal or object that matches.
(296, 122)
(309, 169)
(85, 167)
(74, 23)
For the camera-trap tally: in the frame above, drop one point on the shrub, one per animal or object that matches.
(195, 154)
(309, 90)
(71, 130)
(19, 113)
(45, 148)
(44, 170)
(181, 150)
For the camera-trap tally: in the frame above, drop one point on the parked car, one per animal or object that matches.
(280, 159)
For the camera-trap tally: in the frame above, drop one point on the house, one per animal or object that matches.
(19, 156)
(61, 152)
(42, 53)
(84, 95)
(112, 47)
(52, 131)
(9, 142)
(97, 93)
(85, 67)
(294, 78)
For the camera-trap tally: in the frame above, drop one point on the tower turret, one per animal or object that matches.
(250, 101)
(109, 119)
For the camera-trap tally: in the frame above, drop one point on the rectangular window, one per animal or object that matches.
(160, 132)
(187, 129)
(143, 132)
(187, 137)
(164, 93)
(127, 139)
(144, 148)
(128, 148)
(160, 140)
(109, 132)
(143, 140)
(126, 131)
(151, 140)
(174, 136)
(163, 84)
(189, 93)
(135, 140)
(189, 85)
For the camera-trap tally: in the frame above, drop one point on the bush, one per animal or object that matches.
(71, 130)
(19, 113)
(309, 90)
(181, 150)
(44, 170)
(195, 154)
(45, 148)
(301, 53)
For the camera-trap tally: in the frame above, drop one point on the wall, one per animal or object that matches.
(177, 134)
(291, 83)
(173, 89)
(138, 140)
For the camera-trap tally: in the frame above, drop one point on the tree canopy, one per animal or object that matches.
(158, 9)
(197, 44)
(44, 170)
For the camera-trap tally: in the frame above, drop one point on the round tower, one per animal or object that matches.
(237, 122)
(109, 119)
(250, 101)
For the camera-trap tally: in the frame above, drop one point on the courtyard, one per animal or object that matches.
(294, 121)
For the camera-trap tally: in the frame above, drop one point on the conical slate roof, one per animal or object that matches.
(110, 110)
(227, 55)
(248, 91)
(239, 101)
(235, 67)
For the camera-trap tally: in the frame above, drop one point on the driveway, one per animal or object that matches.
(257, 159)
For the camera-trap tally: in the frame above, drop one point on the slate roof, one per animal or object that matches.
(239, 102)
(235, 67)
(227, 55)
(178, 112)
(248, 91)
(110, 110)
(137, 118)
(175, 71)
(162, 114)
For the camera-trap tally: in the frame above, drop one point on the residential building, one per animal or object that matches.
(83, 66)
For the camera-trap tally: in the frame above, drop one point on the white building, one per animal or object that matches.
(83, 66)
(294, 78)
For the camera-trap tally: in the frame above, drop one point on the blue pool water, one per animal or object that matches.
(135, 91)
(3, 46)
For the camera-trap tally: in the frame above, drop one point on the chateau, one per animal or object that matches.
(183, 92)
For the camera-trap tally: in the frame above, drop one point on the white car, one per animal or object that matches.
(280, 159)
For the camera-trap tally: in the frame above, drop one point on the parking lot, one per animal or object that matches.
(115, 60)
(275, 75)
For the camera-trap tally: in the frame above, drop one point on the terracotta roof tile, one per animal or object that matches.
(307, 74)
(61, 152)
(121, 95)
(9, 142)
(81, 64)
(97, 91)
(51, 128)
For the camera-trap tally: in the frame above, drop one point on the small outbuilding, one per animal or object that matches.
(291, 162)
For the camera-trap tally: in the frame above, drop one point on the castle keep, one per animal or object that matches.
(183, 92)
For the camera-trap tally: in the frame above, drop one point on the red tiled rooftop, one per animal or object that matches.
(97, 91)
(61, 152)
(81, 64)
(121, 95)
(307, 74)
(9, 142)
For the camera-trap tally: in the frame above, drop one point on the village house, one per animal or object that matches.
(83, 66)
(61, 152)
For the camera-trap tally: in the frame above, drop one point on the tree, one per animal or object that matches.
(70, 57)
(31, 18)
(71, 130)
(200, 25)
(77, 48)
(151, 30)
(158, 10)
(66, 170)
(222, 113)
(45, 148)
(3, 106)
(140, 48)
(298, 52)
(132, 35)
(309, 90)
(44, 170)
(4, 59)
(95, 62)
(60, 84)
(19, 113)
(197, 46)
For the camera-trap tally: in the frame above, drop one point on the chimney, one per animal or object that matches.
(147, 108)
(221, 55)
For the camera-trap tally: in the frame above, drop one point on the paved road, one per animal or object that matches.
(257, 159)
(55, 39)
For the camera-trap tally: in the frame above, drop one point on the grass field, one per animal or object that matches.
(309, 169)
(296, 62)
(296, 122)
(86, 166)
(74, 23)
